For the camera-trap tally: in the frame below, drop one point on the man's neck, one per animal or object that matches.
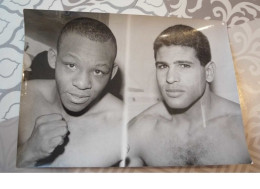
(199, 111)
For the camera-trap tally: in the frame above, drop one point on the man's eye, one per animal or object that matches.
(161, 66)
(98, 72)
(71, 66)
(184, 65)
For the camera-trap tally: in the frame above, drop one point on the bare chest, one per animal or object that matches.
(92, 142)
(176, 146)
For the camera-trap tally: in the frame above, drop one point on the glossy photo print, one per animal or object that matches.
(111, 90)
(182, 97)
(71, 102)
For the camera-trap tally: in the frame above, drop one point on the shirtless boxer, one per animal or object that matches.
(72, 121)
(192, 125)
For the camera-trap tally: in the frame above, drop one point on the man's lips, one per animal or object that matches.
(78, 98)
(174, 93)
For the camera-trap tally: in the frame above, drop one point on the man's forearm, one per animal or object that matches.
(25, 158)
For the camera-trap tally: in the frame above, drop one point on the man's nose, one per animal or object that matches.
(82, 81)
(172, 75)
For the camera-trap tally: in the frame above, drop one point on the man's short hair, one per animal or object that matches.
(183, 35)
(92, 29)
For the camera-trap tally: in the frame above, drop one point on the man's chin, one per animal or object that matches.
(75, 108)
(176, 104)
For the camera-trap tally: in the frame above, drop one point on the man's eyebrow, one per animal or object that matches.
(102, 65)
(183, 62)
(176, 62)
(71, 55)
(160, 62)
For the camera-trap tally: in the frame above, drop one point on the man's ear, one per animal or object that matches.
(114, 71)
(52, 56)
(210, 71)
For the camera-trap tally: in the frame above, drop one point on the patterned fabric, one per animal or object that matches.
(242, 17)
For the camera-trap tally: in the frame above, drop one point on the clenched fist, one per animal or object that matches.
(49, 132)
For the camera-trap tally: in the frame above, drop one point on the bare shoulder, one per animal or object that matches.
(227, 128)
(113, 103)
(226, 115)
(34, 96)
(35, 93)
(111, 106)
(110, 109)
(226, 119)
(233, 137)
(149, 117)
(231, 124)
(140, 128)
(226, 106)
(38, 87)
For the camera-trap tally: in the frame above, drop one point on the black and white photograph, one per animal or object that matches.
(71, 107)
(117, 90)
(182, 96)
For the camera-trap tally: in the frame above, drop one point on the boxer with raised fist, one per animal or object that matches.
(74, 110)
